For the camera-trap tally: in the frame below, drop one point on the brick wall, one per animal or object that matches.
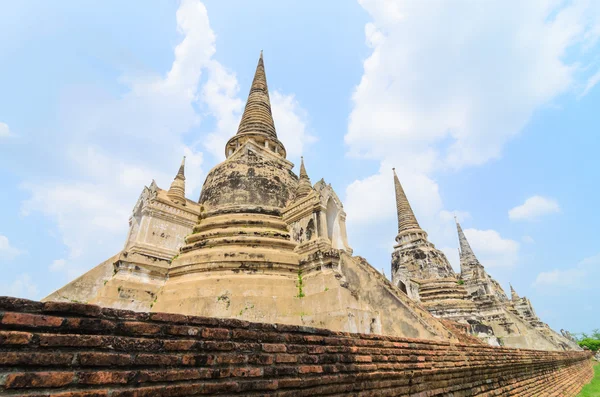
(65, 349)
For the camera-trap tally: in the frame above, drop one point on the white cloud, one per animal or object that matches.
(583, 275)
(21, 287)
(7, 251)
(492, 250)
(447, 85)
(469, 83)
(533, 208)
(528, 239)
(290, 121)
(4, 130)
(58, 264)
(591, 83)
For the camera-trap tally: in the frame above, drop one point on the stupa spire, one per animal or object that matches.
(513, 294)
(257, 117)
(406, 216)
(177, 190)
(466, 252)
(304, 185)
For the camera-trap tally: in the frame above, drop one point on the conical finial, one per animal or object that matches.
(177, 190)
(257, 117)
(466, 253)
(181, 172)
(513, 293)
(304, 185)
(406, 216)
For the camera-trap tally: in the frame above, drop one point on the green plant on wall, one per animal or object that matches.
(300, 284)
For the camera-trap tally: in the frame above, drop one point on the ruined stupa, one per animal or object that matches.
(265, 245)
(471, 297)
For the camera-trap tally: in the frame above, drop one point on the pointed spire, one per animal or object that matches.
(513, 293)
(177, 190)
(304, 185)
(257, 117)
(406, 217)
(466, 253)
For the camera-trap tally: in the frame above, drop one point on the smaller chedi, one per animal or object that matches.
(472, 297)
(264, 244)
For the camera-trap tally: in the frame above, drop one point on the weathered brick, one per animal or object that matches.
(38, 379)
(307, 369)
(72, 308)
(29, 320)
(31, 358)
(173, 375)
(184, 330)
(157, 359)
(179, 345)
(104, 359)
(105, 377)
(91, 325)
(197, 359)
(15, 338)
(247, 372)
(169, 317)
(140, 328)
(215, 333)
(72, 340)
(285, 358)
(82, 393)
(274, 348)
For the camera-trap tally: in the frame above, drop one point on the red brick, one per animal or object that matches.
(232, 359)
(307, 369)
(274, 348)
(30, 358)
(261, 359)
(169, 317)
(82, 393)
(178, 345)
(38, 379)
(199, 360)
(247, 372)
(104, 359)
(89, 325)
(139, 328)
(15, 338)
(105, 377)
(72, 308)
(31, 320)
(174, 375)
(285, 358)
(215, 333)
(72, 340)
(157, 359)
(184, 330)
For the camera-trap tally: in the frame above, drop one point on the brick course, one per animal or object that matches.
(64, 349)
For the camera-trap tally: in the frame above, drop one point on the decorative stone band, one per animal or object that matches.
(68, 349)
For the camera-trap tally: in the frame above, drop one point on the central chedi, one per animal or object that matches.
(240, 230)
(261, 244)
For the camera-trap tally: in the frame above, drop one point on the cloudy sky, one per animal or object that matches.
(488, 110)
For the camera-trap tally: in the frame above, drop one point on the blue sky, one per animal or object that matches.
(487, 110)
